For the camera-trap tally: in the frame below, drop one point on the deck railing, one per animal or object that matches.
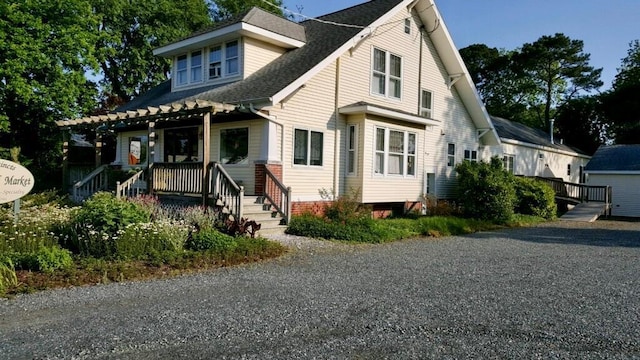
(225, 191)
(278, 195)
(183, 178)
(95, 181)
(133, 186)
(579, 192)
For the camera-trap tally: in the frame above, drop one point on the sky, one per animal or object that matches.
(605, 27)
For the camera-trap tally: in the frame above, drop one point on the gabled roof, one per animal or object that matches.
(615, 158)
(325, 42)
(518, 132)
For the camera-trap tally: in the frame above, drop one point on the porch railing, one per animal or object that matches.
(226, 192)
(95, 181)
(133, 186)
(184, 178)
(580, 193)
(278, 195)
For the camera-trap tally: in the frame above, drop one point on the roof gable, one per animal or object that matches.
(615, 158)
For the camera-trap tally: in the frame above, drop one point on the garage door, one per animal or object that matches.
(626, 192)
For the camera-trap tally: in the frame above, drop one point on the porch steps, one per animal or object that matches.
(271, 223)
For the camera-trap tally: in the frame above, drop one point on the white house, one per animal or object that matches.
(533, 152)
(618, 166)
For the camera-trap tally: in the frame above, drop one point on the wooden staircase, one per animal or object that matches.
(271, 223)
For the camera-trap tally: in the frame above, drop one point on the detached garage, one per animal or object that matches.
(619, 167)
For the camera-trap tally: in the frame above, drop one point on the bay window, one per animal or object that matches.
(395, 152)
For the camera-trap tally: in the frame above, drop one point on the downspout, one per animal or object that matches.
(336, 143)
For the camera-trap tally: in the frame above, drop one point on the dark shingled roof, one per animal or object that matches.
(321, 41)
(615, 158)
(517, 131)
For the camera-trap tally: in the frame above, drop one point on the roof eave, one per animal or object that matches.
(387, 113)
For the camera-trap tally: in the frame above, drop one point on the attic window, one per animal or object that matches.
(407, 26)
(227, 54)
(386, 71)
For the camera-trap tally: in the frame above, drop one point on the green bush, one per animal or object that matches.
(150, 240)
(8, 276)
(485, 190)
(534, 198)
(46, 259)
(348, 210)
(369, 230)
(109, 214)
(210, 239)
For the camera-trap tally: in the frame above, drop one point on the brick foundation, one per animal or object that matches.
(260, 175)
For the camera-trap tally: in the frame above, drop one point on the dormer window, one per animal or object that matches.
(212, 63)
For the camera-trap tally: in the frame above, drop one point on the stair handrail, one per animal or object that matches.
(282, 203)
(128, 187)
(225, 189)
(94, 181)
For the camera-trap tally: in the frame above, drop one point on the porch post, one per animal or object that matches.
(65, 159)
(206, 155)
(151, 156)
(98, 158)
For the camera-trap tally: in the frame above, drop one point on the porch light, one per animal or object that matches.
(102, 128)
(120, 124)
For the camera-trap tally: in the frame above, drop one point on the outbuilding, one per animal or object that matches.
(619, 167)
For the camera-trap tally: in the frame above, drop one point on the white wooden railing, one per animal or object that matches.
(226, 192)
(95, 181)
(278, 195)
(134, 186)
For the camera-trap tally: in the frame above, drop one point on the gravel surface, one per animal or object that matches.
(561, 290)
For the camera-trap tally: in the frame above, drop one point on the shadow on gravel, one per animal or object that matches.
(564, 235)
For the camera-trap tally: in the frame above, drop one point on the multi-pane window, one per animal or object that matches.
(568, 169)
(352, 138)
(426, 104)
(451, 154)
(232, 57)
(308, 147)
(196, 66)
(213, 63)
(471, 155)
(181, 144)
(508, 162)
(395, 152)
(407, 26)
(386, 74)
(181, 70)
(234, 146)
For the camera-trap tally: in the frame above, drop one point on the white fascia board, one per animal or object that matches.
(284, 93)
(452, 61)
(387, 113)
(225, 33)
(612, 172)
(544, 148)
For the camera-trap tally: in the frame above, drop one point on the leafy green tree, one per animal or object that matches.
(560, 71)
(582, 123)
(622, 103)
(129, 31)
(46, 46)
(224, 9)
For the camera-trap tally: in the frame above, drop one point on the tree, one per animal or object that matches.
(129, 31)
(559, 69)
(46, 46)
(224, 9)
(622, 103)
(582, 123)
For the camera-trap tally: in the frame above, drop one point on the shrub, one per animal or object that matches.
(347, 210)
(485, 190)
(8, 276)
(534, 198)
(210, 239)
(369, 230)
(150, 240)
(46, 259)
(109, 214)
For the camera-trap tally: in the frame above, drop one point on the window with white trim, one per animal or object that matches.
(395, 152)
(508, 162)
(568, 169)
(196, 66)
(451, 154)
(352, 145)
(426, 104)
(407, 26)
(307, 147)
(181, 70)
(234, 146)
(471, 155)
(386, 74)
(227, 54)
(211, 63)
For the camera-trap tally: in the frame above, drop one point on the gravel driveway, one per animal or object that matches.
(562, 290)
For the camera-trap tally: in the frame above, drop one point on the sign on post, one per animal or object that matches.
(16, 181)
